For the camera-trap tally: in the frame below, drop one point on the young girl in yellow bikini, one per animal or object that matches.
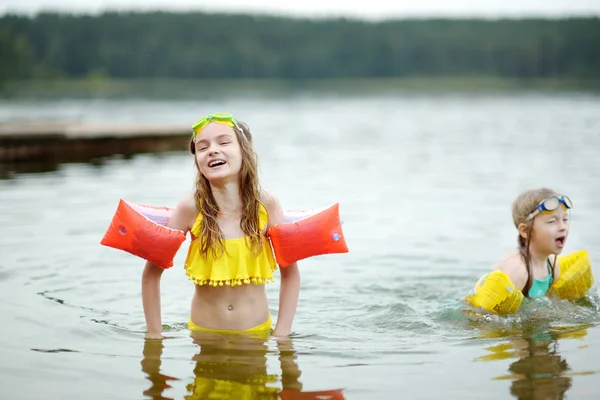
(542, 218)
(229, 259)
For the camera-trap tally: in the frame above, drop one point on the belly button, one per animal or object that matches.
(230, 307)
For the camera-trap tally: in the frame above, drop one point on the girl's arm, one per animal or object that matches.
(151, 300)
(288, 299)
(290, 275)
(180, 219)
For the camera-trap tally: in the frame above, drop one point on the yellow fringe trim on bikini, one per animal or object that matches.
(230, 282)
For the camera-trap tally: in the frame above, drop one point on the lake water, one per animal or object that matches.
(425, 183)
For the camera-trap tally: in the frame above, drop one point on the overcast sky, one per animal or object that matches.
(372, 9)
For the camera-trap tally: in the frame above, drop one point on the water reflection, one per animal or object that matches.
(151, 362)
(10, 170)
(233, 367)
(540, 372)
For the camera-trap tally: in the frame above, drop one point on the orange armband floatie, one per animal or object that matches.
(308, 233)
(142, 231)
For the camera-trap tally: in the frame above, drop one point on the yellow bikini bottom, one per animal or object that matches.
(263, 329)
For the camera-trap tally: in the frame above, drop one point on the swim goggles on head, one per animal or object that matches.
(550, 204)
(222, 118)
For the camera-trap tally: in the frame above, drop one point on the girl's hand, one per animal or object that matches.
(280, 334)
(154, 335)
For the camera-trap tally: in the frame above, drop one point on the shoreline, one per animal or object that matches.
(169, 88)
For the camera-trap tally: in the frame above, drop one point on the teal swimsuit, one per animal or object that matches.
(540, 287)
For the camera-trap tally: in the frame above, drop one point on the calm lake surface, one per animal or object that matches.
(425, 183)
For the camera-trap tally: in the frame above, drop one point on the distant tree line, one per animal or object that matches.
(202, 46)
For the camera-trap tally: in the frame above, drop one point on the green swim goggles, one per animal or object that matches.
(551, 204)
(221, 118)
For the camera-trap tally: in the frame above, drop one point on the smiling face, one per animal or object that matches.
(550, 231)
(224, 154)
(218, 153)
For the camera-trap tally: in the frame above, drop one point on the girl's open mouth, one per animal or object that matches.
(216, 163)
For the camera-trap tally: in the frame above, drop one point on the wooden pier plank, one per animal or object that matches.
(31, 141)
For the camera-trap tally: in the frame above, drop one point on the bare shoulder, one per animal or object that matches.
(273, 207)
(185, 213)
(187, 203)
(268, 198)
(513, 265)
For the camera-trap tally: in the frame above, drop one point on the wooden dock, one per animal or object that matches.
(73, 142)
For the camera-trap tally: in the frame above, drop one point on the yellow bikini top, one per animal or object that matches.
(235, 266)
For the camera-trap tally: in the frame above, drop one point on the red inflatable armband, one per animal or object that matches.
(143, 232)
(306, 234)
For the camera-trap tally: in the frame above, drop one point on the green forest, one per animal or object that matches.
(224, 46)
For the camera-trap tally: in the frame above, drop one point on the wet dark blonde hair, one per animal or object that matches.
(524, 205)
(212, 238)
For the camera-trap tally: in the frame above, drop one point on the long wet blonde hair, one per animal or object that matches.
(524, 205)
(212, 238)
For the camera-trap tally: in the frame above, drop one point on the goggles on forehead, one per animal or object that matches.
(551, 204)
(221, 118)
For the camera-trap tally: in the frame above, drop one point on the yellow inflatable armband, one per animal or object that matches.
(576, 276)
(496, 293)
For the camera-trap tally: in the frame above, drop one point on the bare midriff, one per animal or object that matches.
(231, 308)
